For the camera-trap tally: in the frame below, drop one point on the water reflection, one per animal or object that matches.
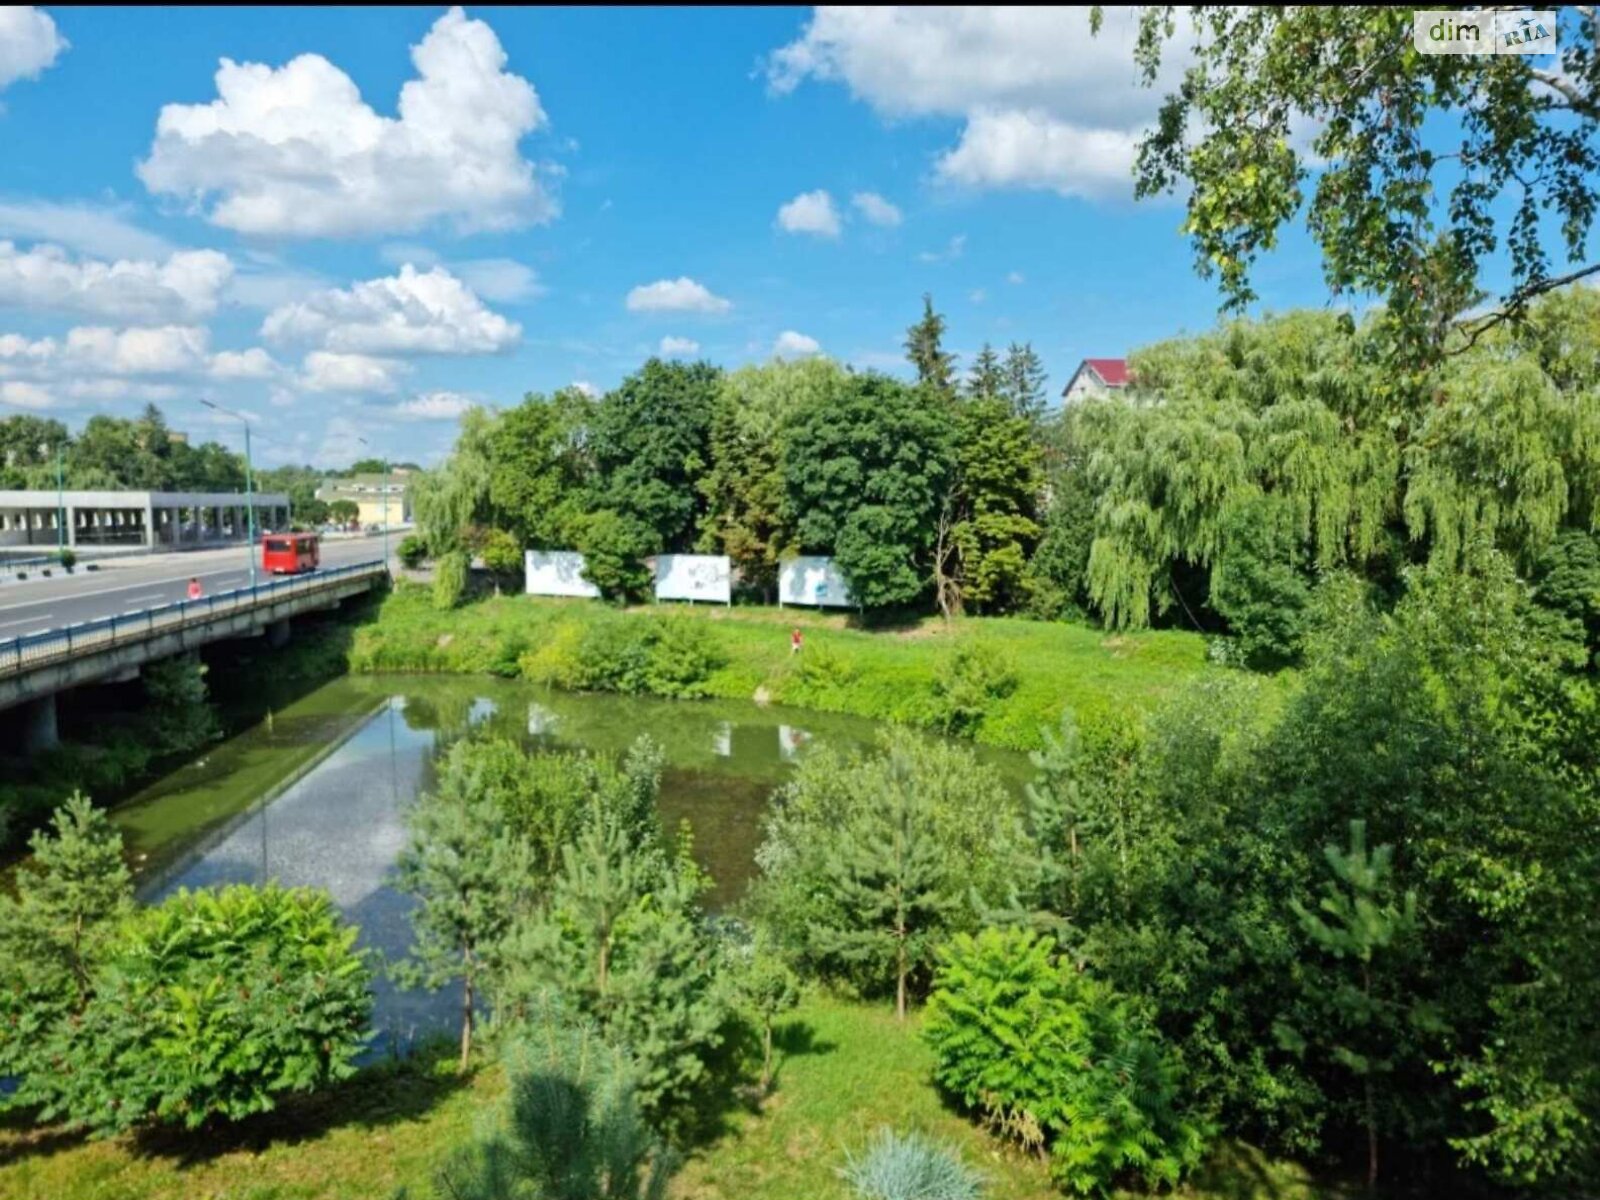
(317, 795)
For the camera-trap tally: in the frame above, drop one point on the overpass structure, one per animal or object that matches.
(36, 667)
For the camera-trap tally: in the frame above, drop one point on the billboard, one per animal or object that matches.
(557, 573)
(694, 577)
(813, 581)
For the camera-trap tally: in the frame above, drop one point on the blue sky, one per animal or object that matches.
(560, 194)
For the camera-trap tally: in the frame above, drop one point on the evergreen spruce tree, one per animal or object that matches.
(472, 879)
(1023, 383)
(924, 347)
(1359, 1006)
(986, 380)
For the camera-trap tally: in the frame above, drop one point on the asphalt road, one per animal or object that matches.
(135, 584)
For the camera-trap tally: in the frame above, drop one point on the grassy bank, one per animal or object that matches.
(844, 1070)
(1014, 676)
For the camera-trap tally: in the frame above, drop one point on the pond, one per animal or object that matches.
(316, 794)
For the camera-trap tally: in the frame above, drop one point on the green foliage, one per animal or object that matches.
(622, 941)
(211, 1005)
(1382, 118)
(865, 472)
(869, 862)
(68, 558)
(650, 438)
(651, 656)
(541, 467)
(472, 879)
(54, 935)
(1359, 1007)
(502, 555)
(1022, 384)
(413, 551)
(1258, 583)
(179, 717)
(985, 378)
(744, 487)
(764, 989)
(908, 1166)
(967, 682)
(936, 367)
(450, 579)
(571, 1127)
(991, 509)
(1055, 1059)
(614, 547)
(1305, 409)
(344, 512)
(451, 500)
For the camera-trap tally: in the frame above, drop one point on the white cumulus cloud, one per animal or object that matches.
(876, 209)
(1046, 104)
(795, 345)
(681, 295)
(324, 371)
(810, 212)
(679, 345)
(29, 44)
(254, 363)
(414, 312)
(19, 393)
(434, 406)
(155, 350)
(587, 388)
(184, 286)
(295, 151)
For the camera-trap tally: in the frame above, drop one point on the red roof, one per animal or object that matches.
(1113, 372)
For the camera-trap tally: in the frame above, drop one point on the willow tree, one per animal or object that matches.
(1366, 468)
(453, 499)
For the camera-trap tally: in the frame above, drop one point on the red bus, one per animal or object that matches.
(290, 553)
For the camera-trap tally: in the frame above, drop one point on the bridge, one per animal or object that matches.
(35, 667)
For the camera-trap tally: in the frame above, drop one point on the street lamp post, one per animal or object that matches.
(249, 484)
(61, 498)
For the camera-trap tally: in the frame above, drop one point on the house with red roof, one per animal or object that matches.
(1096, 377)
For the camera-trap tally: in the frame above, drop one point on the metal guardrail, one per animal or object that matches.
(32, 650)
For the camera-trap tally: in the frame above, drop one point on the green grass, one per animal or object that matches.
(885, 674)
(845, 1069)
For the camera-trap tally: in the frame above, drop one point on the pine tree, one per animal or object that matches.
(924, 347)
(1023, 383)
(1360, 922)
(766, 989)
(473, 879)
(891, 882)
(67, 902)
(987, 379)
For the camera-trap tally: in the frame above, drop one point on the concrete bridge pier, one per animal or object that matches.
(278, 633)
(39, 731)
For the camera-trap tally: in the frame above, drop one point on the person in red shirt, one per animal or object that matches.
(194, 589)
(794, 640)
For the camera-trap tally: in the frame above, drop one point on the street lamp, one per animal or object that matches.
(249, 483)
(385, 461)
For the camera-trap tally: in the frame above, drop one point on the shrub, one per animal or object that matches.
(1055, 1059)
(614, 548)
(412, 551)
(910, 1167)
(449, 580)
(68, 557)
(683, 654)
(572, 1127)
(966, 684)
(502, 555)
(213, 1004)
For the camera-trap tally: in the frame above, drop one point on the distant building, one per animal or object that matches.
(135, 520)
(1096, 377)
(376, 497)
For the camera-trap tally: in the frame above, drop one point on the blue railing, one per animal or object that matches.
(37, 649)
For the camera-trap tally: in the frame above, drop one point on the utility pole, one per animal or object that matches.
(249, 484)
(61, 500)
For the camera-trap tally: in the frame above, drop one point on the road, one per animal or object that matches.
(135, 584)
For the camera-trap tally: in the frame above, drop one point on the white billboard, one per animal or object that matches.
(694, 577)
(813, 581)
(557, 573)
